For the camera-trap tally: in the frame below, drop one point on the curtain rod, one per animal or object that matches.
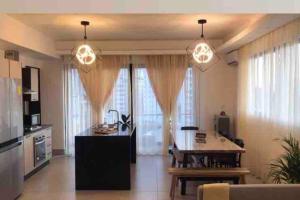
(134, 52)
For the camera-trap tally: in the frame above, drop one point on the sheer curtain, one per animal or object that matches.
(269, 95)
(166, 74)
(119, 99)
(148, 115)
(100, 82)
(77, 107)
(185, 108)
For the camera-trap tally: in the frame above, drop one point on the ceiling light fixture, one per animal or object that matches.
(202, 52)
(84, 53)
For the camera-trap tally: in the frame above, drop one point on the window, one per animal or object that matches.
(274, 84)
(185, 102)
(78, 109)
(149, 118)
(119, 99)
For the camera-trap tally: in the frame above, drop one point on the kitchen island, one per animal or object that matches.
(102, 161)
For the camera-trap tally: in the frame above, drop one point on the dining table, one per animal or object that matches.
(188, 144)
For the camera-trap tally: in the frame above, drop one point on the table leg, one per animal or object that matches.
(183, 181)
(173, 157)
(236, 180)
(242, 179)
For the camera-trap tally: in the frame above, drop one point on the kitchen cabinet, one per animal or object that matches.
(28, 153)
(31, 82)
(48, 133)
(34, 74)
(95, 169)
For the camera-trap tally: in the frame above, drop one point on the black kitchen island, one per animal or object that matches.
(102, 161)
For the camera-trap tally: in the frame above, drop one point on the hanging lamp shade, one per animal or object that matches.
(84, 53)
(201, 53)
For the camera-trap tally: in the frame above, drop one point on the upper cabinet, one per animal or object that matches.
(15, 69)
(31, 82)
(4, 68)
(34, 84)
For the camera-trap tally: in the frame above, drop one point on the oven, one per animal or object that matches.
(39, 150)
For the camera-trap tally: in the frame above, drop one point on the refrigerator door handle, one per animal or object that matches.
(9, 147)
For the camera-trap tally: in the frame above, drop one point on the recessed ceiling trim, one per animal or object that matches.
(115, 47)
(263, 26)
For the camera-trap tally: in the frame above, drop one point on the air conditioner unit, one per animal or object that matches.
(232, 58)
(11, 55)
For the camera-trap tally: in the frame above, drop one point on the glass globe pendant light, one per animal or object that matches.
(202, 52)
(84, 53)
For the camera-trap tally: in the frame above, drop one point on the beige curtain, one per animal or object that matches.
(166, 73)
(100, 81)
(262, 116)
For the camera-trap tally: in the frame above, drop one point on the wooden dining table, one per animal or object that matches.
(186, 143)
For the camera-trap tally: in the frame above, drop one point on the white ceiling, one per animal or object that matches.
(66, 27)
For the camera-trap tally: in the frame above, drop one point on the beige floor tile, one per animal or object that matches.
(150, 181)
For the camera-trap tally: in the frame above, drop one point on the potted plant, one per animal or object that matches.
(125, 121)
(286, 168)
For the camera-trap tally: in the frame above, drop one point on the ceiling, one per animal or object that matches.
(66, 27)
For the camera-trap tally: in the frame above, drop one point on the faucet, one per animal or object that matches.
(110, 110)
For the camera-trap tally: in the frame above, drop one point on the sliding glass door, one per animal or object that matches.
(119, 99)
(77, 110)
(148, 115)
(185, 109)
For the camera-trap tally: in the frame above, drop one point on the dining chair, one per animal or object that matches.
(222, 160)
(241, 144)
(229, 159)
(177, 156)
(189, 128)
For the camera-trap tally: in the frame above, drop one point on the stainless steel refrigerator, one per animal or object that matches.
(11, 139)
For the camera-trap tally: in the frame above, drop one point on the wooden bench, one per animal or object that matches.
(217, 173)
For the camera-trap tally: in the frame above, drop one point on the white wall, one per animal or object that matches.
(218, 90)
(52, 100)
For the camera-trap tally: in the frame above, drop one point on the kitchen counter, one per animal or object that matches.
(121, 131)
(102, 161)
(43, 126)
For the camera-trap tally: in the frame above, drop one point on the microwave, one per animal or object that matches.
(33, 120)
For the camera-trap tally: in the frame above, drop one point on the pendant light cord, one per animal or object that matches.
(85, 23)
(202, 35)
(85, 37)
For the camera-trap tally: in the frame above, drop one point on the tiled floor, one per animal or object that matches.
(150, 181)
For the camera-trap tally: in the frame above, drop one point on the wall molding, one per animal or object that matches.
(58, 152)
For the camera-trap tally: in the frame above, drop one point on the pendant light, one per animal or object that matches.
(200, 52)
(84, 53)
